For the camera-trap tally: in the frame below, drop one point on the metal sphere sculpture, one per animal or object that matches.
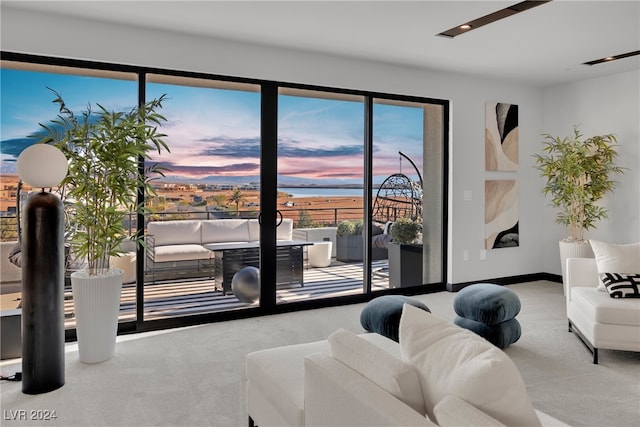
(245, 284)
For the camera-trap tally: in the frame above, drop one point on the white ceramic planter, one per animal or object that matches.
(581, 249)
(96, 301)
(320, 254)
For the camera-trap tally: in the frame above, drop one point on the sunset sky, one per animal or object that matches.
(217, 132)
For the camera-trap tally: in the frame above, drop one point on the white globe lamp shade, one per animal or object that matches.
(42, 165)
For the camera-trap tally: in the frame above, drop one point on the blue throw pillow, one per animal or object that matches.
(382, 314)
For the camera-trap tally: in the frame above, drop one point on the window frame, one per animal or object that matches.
(269, 93)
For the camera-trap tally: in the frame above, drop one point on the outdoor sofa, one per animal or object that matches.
(180, 244)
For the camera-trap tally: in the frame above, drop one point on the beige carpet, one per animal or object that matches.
(195, 376)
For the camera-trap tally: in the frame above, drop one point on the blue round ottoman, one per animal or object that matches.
(489, 310)
(382, 314)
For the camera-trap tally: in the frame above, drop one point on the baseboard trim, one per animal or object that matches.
(510, 280)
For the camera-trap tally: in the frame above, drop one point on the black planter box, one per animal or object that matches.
(405, 265)
(350, 249)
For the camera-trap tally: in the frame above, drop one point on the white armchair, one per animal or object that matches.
(600, 321)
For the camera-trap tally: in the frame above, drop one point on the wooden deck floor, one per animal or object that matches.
(182, 298)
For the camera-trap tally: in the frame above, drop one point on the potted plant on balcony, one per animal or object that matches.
(104, 150)
(349, 241)
(578, 174)
(405, 254)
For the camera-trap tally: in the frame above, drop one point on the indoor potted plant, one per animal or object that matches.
(104, 151)
(405, 253)
(578, 174)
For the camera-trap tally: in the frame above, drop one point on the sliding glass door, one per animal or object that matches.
(408, 206)
(304, 189)
(321, 170)
(202, 223)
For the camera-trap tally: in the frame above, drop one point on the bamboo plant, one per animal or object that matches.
(105, 151)
(578, 174)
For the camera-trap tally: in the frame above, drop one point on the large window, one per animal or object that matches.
(331, 170)
(27, 95)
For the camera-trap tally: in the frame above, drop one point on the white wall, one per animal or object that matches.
(69, 38)
(600, 106)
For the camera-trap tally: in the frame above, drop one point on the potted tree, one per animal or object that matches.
(405, 253)
(578, 174)
(104, 152)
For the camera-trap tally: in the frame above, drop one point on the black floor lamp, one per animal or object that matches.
(42, 166)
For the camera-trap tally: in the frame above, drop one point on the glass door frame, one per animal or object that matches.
(268, 194)
(268, 197)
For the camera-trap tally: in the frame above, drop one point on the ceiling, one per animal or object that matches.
(543, 46)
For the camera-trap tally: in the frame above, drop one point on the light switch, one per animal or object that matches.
(467, 195)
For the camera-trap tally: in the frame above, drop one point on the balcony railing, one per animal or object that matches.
(302, 217)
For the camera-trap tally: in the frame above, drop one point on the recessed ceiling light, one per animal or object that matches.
(492, 17)
(612, 58)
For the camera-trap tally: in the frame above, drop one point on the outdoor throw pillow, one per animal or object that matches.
(453, 361)
(621, 285)
(610, 258)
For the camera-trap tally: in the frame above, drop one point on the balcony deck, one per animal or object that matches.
(168, 298)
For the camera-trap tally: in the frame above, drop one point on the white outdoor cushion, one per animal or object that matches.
(283, 232)
(603, 309)
(175, 232)
(225, 230)
(380, 367)
(225, 245)
(181, 253)
(254, 229)
(612, 258)
(452, 360)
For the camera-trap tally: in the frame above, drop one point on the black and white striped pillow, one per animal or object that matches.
(622, 285)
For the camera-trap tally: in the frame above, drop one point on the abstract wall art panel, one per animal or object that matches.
(501, 214)
(501, 137)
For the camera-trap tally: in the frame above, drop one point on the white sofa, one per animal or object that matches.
(175, 241)
(438, 375)
(183, 240)
(600, 321)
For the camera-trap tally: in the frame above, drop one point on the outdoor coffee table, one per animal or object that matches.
(232, 257)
